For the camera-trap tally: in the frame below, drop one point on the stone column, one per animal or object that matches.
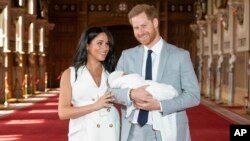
(18, 76)
(202, 33)
(231, 69)
(48, 28)
(247, 21)
(41, 56)
(29, 48)
(42, 70)
(4, 87)
(2, 75)
(209, 20)
(247, 99)
(18, 68)
(6, 81)
(2, 68)
(32, 69)
(222, 21)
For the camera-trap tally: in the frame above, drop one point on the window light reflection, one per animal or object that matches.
(27, 121)
(51, 104)
(43, 111)
(10, 137)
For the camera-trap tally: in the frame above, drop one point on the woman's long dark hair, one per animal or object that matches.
(80, 57)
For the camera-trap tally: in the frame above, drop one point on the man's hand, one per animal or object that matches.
(140, 94)
(149, 104)
(144, 100)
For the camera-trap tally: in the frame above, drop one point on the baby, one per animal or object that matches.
(159, 91)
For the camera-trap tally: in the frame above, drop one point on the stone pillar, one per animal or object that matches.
(29, 20)
(48, 28)
(231, 79)
(218, 79)
(4, 87)
(2, 75)
(247, 20)
(231, 69)
(202, 32)
(222, 23)
(42, 70)
(18, 75)
(18, 67)
(39, 83)
(209, 20)
(32, 69)
(247, 99)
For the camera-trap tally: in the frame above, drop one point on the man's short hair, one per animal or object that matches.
(150, 11)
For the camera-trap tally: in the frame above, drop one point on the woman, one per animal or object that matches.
(84, 96)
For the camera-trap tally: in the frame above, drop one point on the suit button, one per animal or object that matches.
(98, 125)
(110, 125)
(108, 109)
(93, 99)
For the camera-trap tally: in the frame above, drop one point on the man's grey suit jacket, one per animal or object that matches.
(176, 69)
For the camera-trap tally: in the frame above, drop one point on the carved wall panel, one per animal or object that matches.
(241, 69)
(241, 26)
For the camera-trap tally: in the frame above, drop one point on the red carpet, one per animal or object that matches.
(206, 125)
(40, 122)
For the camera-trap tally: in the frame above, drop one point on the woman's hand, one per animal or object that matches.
(104, 101)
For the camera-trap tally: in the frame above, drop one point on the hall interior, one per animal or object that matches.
(38, 39)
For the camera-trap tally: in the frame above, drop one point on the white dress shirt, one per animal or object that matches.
(155, 64)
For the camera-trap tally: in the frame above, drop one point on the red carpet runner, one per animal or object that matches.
(206, 125)
(40, 122)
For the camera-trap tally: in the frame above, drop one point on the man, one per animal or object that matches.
(158, 61)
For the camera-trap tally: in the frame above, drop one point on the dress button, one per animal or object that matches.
(110, 125)
(98, 125)
(108, 109)
(93, 99)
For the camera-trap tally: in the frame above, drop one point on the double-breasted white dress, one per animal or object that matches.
(101, 125)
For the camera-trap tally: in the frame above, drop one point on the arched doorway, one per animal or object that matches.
(123, 37)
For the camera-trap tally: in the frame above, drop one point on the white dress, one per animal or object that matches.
(102, 125)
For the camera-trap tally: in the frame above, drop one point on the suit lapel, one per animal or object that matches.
(139, 60)
(163, 60)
